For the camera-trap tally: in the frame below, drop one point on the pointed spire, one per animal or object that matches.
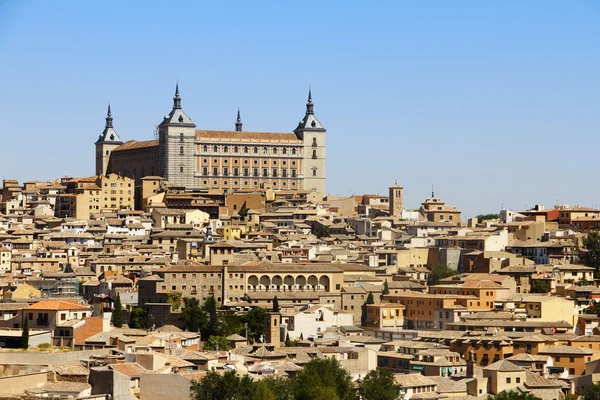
(432, 192)
(310, 106)
(176, 99)
(109, 119)
(238, 122)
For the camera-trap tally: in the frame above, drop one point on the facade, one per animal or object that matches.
(435, 210)
(226, 160)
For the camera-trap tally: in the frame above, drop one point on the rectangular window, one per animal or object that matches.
(265, 172)
(255, 171)
(204, 170)
(274, 171)
(180, 150)
(293, 173)
(246, 173)
(225, 171)
(215, 171)
(236, 171)
(284, 173)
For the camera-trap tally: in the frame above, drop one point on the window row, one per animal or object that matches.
(246, 162)
(250, 149)
(248, 183)
(236, 171)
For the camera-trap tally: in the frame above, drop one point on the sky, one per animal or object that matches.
(495, 103)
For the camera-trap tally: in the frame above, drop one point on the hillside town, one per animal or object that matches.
(124, 287)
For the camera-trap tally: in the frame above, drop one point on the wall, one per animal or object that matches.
(12, 385)
(49, 358)
(164, 386)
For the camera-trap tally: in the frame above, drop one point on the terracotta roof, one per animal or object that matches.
(504, 366)
(242, 136)
(57, 305)
(134, 144)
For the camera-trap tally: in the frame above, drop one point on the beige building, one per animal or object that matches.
(435, 210)
(226, 160)
(85, 197)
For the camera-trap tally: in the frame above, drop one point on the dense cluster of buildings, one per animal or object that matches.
(243, 217)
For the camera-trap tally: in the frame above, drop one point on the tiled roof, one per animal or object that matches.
(504, 366)
(134, 144)
(57, 305)
(248, 136)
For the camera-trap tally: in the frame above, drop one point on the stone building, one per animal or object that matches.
(226, 160)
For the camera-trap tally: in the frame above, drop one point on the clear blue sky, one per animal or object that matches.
(493, 102)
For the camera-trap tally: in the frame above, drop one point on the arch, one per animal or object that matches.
(205, 148)
(253, 281)
(312, 281)
(225, 149)
(284, 150)
(276, 280)
(301, 280)
(265, 280)
(245, 149)
(255, 150)
(289, 280)
(235, 149)
(293, 150)
(265, 150)
(274, 150)
(324, 281)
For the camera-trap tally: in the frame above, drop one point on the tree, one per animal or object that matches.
(363, 316)
(229, 386)
(210, 307)
(139, 318)
(243, 211)
(217, 343)
(255, 320)
(175, 300)
(25, 334)
(592, 393)
(273, 388)
(117, 317)
(322, 231)
(288, 342)
(591, 256)
(540, 287)
(192, 316)
(380, 385)
(486, 217)
(275, 304)
(513, 395)
(323, 379)
(438, 272)
(386, 288)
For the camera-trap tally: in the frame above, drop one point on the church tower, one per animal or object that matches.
(312, 134)
(395, 200)
(176, 137)
(106, 143)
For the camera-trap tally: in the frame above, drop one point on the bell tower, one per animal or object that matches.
(106, 143)
(312, 134)
(176, 138)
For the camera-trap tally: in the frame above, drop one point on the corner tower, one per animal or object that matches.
(395, 200)
(176, 138)
(312, 134)
(106, 143)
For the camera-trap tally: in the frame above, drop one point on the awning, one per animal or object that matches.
(418, 368)
(556, 369)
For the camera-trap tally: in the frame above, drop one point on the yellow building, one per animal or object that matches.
(84, 197)
(435, 210)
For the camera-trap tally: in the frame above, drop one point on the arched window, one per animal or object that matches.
(274, 150)
(215, 149)
(246, 149)
(293, 150)
(205, 148)
(225, 149)
(256, 150)
(235, 149)
(284, 150)
(265, 150)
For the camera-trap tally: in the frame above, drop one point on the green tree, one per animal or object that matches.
(486, 217)
(513, 395)
(229, 386)
(321, 231)
(386, 288)
(540, 287)
(592, 393)
(243, 211)
(380, 385)
(117, 317)
(275, 304)
(25, 334)
(323, 379)
(273, 388)
(288, 342)
(363, 316)
(139, 318)
(175, 300)
(591, 254)
(217, 342)
(210, 307)
(438, 272)
(192, 316)
(255, 320)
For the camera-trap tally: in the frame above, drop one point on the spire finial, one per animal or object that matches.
(238, 122)
(432, 192)
(309, 105)
(176, 99)
(109, 119)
